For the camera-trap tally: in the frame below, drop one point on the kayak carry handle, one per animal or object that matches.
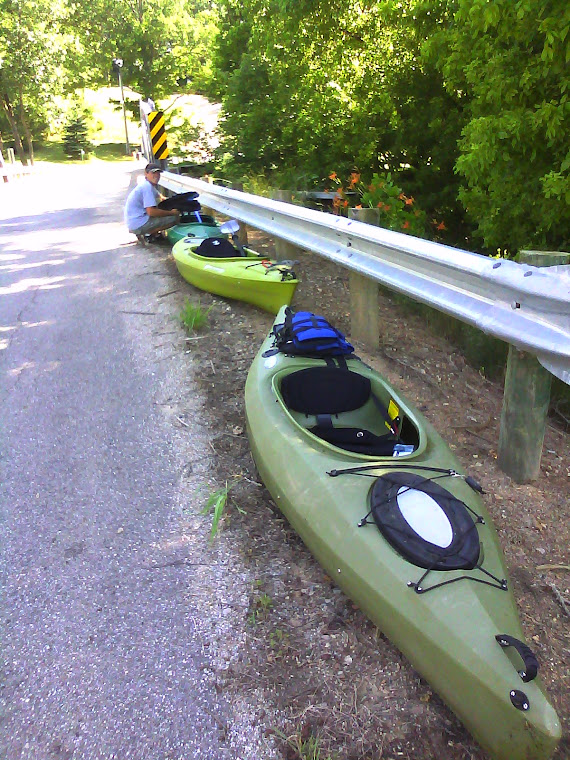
(529, 659)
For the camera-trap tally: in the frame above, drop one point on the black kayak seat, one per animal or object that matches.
(462, 549)
(216, 248)
(327, 391)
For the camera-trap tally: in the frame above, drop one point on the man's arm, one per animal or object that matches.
(150, 200)
(155, 211)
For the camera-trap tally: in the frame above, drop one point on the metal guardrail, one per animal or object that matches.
(525, 306)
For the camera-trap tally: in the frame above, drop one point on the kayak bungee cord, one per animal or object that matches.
(445, 474)
(498, 583)
(471, 482)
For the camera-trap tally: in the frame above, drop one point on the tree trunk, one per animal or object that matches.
(8, 110)
(26, 127)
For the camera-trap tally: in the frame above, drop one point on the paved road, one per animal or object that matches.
(106, 636)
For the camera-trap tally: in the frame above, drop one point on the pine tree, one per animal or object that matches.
(75, 135)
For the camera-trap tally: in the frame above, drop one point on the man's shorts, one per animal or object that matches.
(154, 223)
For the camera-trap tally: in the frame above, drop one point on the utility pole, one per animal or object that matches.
(117, 66)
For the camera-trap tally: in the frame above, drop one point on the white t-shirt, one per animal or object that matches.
(143, 196)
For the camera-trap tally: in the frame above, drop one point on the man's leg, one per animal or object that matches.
(154, 225)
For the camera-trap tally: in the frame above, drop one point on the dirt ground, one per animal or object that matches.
(338, 684)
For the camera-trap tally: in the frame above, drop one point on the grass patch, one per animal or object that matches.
(305, 747)
(260, 604)
(193, 316)
(216, 505)
(52, 152)
(111, 152)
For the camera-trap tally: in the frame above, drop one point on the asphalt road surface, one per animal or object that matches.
(111, 614)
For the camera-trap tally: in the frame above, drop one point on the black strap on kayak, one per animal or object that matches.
(336, 361)
(498, 583)
(361, 470)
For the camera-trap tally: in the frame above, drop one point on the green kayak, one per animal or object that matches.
(193, 223)
(381, 502)
(250, 278)
(194, 230)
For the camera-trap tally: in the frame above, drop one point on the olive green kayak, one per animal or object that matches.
(250, 278)
(383, 505)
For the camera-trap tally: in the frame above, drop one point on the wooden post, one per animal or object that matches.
(284, 249)
(526, 398)
(3, 170)
(243, 236)
(364, 312)
(210, 180)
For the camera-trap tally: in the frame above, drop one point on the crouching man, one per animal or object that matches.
(142, 215)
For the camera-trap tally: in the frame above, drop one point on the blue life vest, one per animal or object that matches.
(306, 334)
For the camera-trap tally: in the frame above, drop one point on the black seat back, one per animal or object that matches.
(325, 390)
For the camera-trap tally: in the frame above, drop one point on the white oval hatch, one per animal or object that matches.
(424, 515)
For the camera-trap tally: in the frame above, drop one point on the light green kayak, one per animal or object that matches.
(404, 534)
(251, 278)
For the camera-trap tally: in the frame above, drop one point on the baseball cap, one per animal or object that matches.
(152, 168)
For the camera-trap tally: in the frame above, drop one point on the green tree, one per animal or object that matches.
(315, 88)
(164, 44)
(32, 52)
(75, 134)
(511, 58)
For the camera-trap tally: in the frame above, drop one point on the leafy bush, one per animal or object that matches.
(397, 211)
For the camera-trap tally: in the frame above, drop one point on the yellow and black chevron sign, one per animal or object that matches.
(158, 134)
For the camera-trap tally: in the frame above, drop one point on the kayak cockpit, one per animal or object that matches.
(342, 407)
(197, 217)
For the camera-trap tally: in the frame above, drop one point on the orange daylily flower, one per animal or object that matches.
(409, 201)
(402, 197)
(354, 178)
(441, 226)
(332, 175)
(359, 206)
(345, 204)
(405, 225)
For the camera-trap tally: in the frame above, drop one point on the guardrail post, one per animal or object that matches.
(526, 398)
(3, 170)
(243, 235)
(12, 160)
(364, 313)
(284, 249)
